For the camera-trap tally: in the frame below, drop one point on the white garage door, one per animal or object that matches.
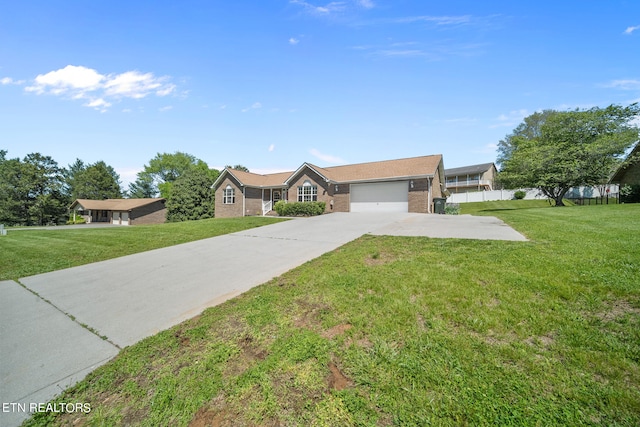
(380, 197)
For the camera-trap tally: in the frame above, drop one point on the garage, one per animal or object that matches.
(390, 196)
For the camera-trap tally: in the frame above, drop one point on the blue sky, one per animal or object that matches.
(271, 84)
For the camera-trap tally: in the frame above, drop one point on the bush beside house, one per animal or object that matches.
(299, 208)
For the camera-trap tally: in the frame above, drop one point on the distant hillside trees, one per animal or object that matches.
(35, 190)
(31, 190)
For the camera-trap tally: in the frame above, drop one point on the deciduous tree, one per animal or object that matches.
(164, 169)
(191, 196)
(558, 150)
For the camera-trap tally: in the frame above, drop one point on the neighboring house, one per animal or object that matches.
(121, 211)
(403, 185)
(471, 178)
(629, 173)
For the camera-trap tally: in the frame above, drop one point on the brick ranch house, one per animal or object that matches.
(121, 211)
(403, 185)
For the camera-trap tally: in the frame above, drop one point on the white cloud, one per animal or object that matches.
(272, 147)
(367, 4)
(99, 104)
(293, 41)
(78, 82)
(627, 84)
(437, 20)
(329, 8)
(133, 84)
(512, 119)
(630, 30)
(10, 81)
(70, 79)
(326, 157)
(167, 108)
(254, 106)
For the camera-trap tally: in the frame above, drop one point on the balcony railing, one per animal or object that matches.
(266, 207)
(469, 183)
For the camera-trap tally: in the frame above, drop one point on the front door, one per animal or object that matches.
(276, 196)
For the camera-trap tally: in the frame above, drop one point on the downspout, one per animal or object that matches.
(244, 210)
(430, 196)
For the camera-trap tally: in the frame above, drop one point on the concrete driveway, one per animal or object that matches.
(59, 326)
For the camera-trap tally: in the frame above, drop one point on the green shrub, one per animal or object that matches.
(630, 193)
(452, 209)
(299, 208)
(519, 195)
(79, 220)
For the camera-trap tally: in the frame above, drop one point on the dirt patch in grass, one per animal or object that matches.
(336, 330)
(337, 380)
(308, 314)
(251, 353)
(214, 414)
(543, 342)
(616, 310)
(379, 258)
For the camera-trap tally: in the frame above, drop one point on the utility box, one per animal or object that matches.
(438, 205)
(3, 232)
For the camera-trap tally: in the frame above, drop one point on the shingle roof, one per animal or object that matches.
(383, 170)
(468, 170)
(372, 171)
(257, 180)
(113, 204)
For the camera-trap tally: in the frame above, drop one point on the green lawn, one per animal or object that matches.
(28, 252)
(489, 208)
(406, 331)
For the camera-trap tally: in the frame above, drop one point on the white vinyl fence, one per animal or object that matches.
(573, 193)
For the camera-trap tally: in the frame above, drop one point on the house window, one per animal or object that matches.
(308, 192)
(229, 196)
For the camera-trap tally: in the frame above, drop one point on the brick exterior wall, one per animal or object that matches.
(253, 201)
(231, 210)
(325, 191)
(437, 188)
(153, 213)
(341, 198)
(419, 196)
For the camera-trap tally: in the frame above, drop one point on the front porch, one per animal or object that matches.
(270, 196)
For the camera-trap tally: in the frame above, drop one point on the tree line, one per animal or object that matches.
(35, 190)
(550, 150)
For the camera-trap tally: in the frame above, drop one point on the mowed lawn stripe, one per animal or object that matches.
(406, 331)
